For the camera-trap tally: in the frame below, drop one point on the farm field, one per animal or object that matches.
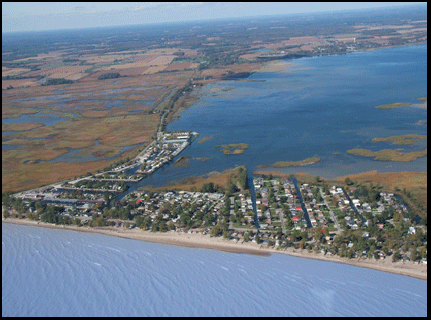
(113, 89)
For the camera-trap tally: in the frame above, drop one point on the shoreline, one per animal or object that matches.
(198, 240)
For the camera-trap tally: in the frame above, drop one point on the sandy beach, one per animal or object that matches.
(198, 240)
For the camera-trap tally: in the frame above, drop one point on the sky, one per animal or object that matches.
(38, 16)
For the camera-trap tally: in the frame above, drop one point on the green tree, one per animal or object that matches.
(215, 230)
(257, 238)
(396, 256)
(302, 243)
(171, 226)
(6, 213)
(423, 252)
(246, 237)
(106, 197)
(162, 226)
(139, 220)
(147, 222)
(154, 227)
(414, 254)
(348, 181)
(317, 234)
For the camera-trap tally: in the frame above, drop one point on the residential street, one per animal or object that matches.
(331, 213)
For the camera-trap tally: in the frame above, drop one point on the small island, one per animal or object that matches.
(205, 139)
(203, 159)
(403, 140)
(394, 105)
(233, 148)
(296, 163)
(389, 155)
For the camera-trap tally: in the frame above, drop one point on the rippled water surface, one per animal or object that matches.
(49, 272)
(317, 107)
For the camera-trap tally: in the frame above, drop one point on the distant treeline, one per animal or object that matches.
(239, 75)
(51, 82)
(301, 54)
(112, 75)
(232, 36)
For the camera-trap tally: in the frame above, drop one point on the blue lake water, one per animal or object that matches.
(314, 108)
(49, 272)
(10, 146)
(6, 133)
(45, 118)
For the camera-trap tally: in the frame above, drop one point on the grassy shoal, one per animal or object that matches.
(296, 163)
(205, 139)
(233, 148)
(389, 155)
(20, 126)
(403, 139)
(394, 105)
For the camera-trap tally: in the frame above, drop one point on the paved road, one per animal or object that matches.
(283, 228)
(301, 200)
(331, 213)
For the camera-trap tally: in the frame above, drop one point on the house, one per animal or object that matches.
(349, 220)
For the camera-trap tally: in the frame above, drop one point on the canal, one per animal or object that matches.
(298, 193)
